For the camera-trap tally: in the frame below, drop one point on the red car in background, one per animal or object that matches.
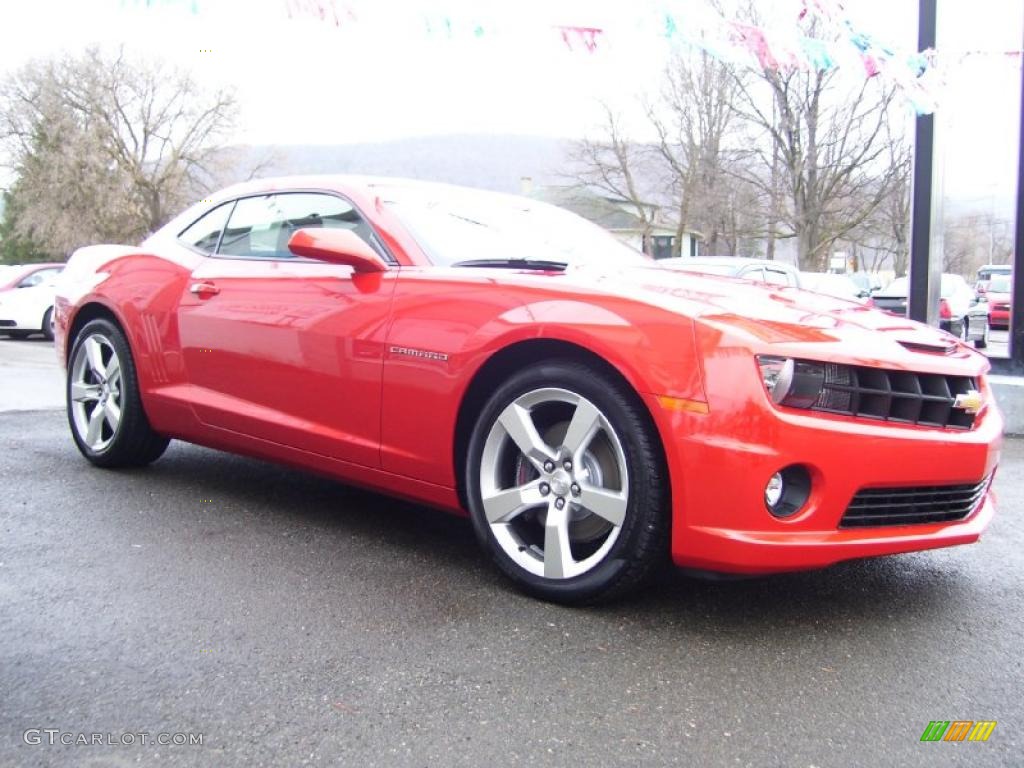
(504, 359)
(998, 297)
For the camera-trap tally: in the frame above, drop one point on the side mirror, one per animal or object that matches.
(336, 246)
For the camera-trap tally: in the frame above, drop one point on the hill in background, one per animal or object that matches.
(485, 161)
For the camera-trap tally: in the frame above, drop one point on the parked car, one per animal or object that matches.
(839, 286)
(758, 270)
(955, 306)
(998, 296)
(28, 275)
(503, 359)
(867, 282)
(26, 305)
(987, 273)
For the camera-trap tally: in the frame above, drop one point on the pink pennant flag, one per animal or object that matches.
(587, 36)
(754, 40)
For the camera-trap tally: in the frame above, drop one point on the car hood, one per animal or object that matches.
(789, 321)
(997, 298)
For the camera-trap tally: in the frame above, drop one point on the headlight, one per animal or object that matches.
(795, 383)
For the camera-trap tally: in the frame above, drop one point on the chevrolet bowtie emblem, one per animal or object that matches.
(971, 401)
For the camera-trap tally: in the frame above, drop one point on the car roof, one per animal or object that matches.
(339, 182)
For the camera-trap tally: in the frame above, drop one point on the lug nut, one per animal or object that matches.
(549, 466)
(559, 502)
(567, 465)
(545, 489)
(575, 490)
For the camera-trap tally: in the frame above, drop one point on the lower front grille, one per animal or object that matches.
(913, 506)
(7, 323)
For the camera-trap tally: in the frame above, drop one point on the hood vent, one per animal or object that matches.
(932, 349)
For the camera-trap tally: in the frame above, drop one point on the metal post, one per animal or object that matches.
(925, 271)
(1015, 364)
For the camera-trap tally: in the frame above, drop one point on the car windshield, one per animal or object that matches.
(839, 286)
(455, 226)
(999, 284)
(898, 287)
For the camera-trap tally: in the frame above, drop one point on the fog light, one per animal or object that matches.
(773, 491)
(788, 490)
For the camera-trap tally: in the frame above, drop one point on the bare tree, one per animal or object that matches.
(694, 122)
(826, 149)
(883, 238)
(106, 148)
(613, 164)
(972, 240)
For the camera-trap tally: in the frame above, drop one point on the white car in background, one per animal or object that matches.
(26, 303)
(839, 286)
(758, 270)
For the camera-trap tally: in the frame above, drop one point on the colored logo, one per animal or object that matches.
(958, 730)
(971, 402)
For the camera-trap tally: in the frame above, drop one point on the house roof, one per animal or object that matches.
(611, 213)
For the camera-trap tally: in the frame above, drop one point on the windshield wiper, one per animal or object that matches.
(553, 266)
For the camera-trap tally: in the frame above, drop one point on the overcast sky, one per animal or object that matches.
(503, 69)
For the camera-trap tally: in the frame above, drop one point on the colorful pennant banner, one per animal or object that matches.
(835, 42)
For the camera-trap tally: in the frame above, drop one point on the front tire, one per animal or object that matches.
(104, 407)
(566, 484)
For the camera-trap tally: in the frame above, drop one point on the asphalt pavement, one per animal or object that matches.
(290, 620)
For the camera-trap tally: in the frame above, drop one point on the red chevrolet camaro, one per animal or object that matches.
(495, 356)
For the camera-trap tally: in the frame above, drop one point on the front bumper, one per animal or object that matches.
(17, 324)
(720, 462)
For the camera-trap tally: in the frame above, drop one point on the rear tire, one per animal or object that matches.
(104, 406)
(983, 341)
(566, 484)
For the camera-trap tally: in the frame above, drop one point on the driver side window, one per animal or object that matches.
(260, 227)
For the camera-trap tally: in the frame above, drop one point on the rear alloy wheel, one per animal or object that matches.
(104, 407)
(566, 484)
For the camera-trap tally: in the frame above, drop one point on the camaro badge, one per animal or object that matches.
(426, 354)
(971, 401)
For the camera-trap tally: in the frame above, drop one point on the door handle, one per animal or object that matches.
(204, 289)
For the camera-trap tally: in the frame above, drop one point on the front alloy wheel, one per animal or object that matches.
(555, 502)
(551, 484)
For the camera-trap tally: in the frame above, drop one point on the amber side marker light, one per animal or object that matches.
(682, 404)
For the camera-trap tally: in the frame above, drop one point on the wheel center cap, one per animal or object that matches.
(560, 482)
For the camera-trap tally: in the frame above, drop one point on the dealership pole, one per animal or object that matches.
(926, 219)
(1017, 296)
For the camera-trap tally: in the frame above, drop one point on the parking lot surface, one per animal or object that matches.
(288, 619)
(291, 620)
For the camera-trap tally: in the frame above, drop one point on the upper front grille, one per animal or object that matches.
(913, 506)
(902, 396)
